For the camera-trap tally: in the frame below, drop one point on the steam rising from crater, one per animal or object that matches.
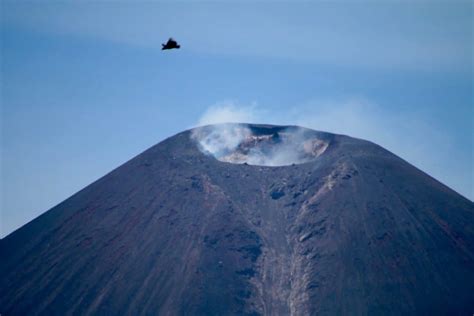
(262, 145)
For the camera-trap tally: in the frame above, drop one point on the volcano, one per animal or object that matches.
(246, 219)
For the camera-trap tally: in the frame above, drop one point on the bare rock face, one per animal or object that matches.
(253, 220)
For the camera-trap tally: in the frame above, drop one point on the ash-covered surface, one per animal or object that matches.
(175, 231)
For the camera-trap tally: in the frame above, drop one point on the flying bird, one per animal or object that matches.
(170, 44)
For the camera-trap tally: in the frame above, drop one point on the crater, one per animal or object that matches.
(261, 145)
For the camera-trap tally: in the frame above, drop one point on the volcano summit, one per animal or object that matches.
(248, 219)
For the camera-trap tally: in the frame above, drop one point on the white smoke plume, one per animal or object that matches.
(237, 143)
(222, 139)
(230, 112)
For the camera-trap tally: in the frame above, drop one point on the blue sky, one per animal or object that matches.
(85, 86)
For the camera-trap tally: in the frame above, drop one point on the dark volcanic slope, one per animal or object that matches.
(174, 231)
